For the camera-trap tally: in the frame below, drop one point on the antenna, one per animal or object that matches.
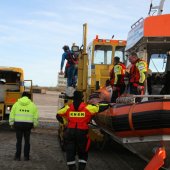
(158, 8)
(150, 8)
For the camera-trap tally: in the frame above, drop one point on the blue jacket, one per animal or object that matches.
(65, 56)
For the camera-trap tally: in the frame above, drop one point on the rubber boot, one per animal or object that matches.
(72, 167)
(82, 166)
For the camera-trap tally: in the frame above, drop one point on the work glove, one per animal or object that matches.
(60, 119)
(61, 72)
(140, 88)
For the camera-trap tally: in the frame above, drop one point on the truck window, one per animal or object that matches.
(119, 52)
(103, 54)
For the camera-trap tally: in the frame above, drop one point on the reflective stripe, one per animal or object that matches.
(71, 163)
(11, 123)
(25, 115)
(82, 161)
(28, 121)
(117, 69)
(141, 67)
(103, 104)
(11, 119)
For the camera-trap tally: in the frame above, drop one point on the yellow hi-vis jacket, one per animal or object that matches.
(119, 70)
(138, 72)
(24, 111)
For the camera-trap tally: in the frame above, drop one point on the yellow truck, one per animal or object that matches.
(96, 61)
(12, 85)
(94, 65)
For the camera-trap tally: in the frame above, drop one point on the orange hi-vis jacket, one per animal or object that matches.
(137, 72)
(78, 119)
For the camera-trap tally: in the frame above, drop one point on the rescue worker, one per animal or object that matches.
(23, 116)
(118, 79)
(78, 115)
(149, 81)
(137, 75)
(70, 70)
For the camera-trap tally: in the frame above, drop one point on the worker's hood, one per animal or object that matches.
(24, 101)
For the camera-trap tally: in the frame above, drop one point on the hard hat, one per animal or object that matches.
(66, 47)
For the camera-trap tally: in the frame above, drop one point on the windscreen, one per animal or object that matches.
(103, 54)
(158, 63)
(9, 77)
(119, 52)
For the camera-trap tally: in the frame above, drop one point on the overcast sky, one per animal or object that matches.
(33, 32)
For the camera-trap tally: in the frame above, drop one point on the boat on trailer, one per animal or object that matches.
(144, 127)
(140, 127)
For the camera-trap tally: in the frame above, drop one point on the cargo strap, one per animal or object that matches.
(130, 116)
(88, 143)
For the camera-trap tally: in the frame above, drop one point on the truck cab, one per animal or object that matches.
(12, 85)
(101, 53)
(96, 61)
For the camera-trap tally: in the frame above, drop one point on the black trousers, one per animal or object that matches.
(134, 90)
(20, 132)
(76, 143)
(118, 92)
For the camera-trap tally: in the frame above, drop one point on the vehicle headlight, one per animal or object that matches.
(8, 108)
